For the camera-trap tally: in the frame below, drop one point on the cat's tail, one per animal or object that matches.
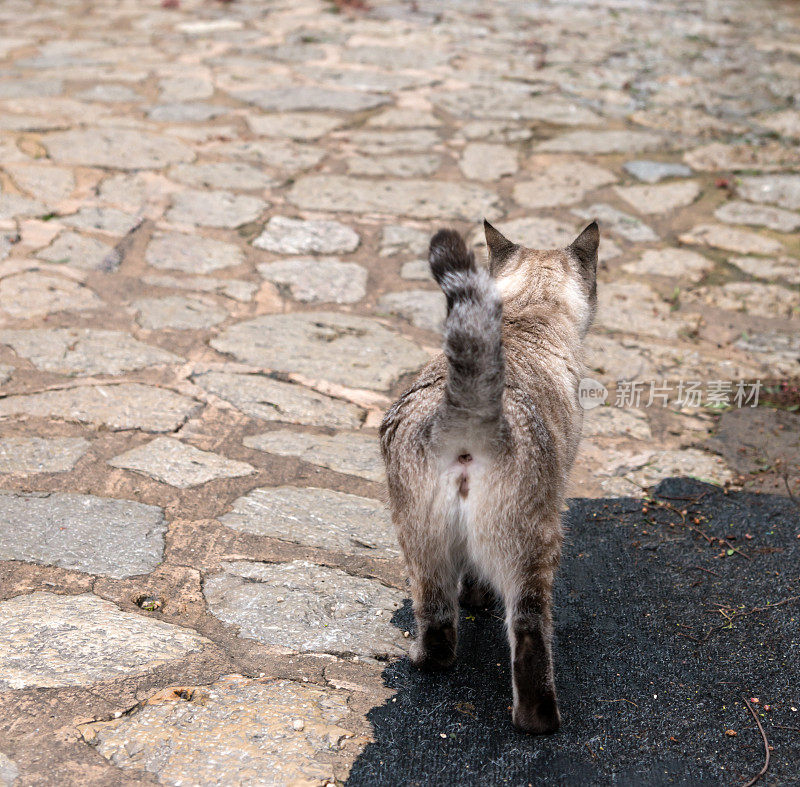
(472, 331)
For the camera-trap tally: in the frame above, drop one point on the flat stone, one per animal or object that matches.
(14, 206)
(52, 641)
(31, 88)
(351, 453)
(402, 166)
(423, 308)
(115, 148)
(616, 422)
(97, 535)
(316, 518)
(618, 222)
(679, 263)
(50, 184)
(399, 239)
(381, 142)
(272, 400)
(285, 235)
(416, 270)
(616, 358)
(324, 610)
(6, 372)
(237, 289)
(286, 157)
(178, 464)
(786, 268)
(33, 294)
(661, 198)
(719, 157)
(779, 352)
(207, 26)
(654, 171)
(395, 117)
(633, 307)
(84, 351)
(237, 175)
(318, 280)
(763, 300)
(9, 773)
(561, 184)
(415, 198)
(342, 348)
(215, 208)
(294, 125)
(109, 94)
(104, 219)
(78, 251)
(193, 112)
(302, 97)
(781, 190)
(179, 312)
(27, 455)
(237, 727)
(719, 236)
(777, 219)
(365, 79)
(185, 88)
(127, 406)
(191, 253)
(486, 161)
(599, 142)
(785, 123)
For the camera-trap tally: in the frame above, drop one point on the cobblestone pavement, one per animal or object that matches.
(213, 225)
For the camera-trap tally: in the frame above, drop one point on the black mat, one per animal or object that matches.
(648, 679)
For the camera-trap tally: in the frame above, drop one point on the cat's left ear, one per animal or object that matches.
(584, 247)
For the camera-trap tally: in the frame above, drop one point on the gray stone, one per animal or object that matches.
(781, 190)
(786, 268)
(486, 161)
(287, 157)
(13, 206)
(294, 125)
(738, 212)
(422, 199)
(616, 422)
(399, 239)
(84, 351)
(179, 312)
(422, 308)
(233, 288)
(215, 208)
(365, 79)
(633, 307)
(351, 453)
(316, 518)
(78, 251)
(763, 300)
(51, 184)
(52, 641)
(8, 771)
(622, 224)
(186, 87)
(271, 400)
(97, 535)
(104, 219)
(6, 372)
(193, 112)
(115, 148)
(27, 455)
(236, 175)
(660, 198)
(654, 171)
(32, 294)
(285, 235)
(416, 270)
(679, 263)
(589, 142)
(324, 610)
(302, 97)
(342, 348)
(402, 166)
(31, 88)
(191, 253)
(561, 184)
(381, 142)
(721, 157)
(238, 730)
(318, 280)
(730, 239)
(780, 352)
(404, 118)
(126, 406)
(178, 464)
(109, 94)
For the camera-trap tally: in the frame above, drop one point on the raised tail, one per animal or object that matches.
(472, 332)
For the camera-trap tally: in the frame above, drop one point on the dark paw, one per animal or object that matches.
(538, 718)
(476, 595)
(435, 650)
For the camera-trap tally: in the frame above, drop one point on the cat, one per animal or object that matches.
(478, 450)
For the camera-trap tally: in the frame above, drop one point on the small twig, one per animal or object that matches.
(622, 700)
(784, 727)
(707, 570)
(766, 746)
(789, 492)
(690, 499)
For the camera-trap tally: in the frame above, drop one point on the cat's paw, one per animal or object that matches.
(538, 718)
(435, 650)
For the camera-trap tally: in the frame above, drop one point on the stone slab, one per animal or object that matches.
(28, 455)
(320, 280)
(191, 253)
(285, 235)
(179, 312)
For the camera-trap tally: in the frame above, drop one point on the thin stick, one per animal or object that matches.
(766, 746)
(784, 727)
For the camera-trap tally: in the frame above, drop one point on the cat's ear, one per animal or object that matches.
(500, 248)
(584, 247)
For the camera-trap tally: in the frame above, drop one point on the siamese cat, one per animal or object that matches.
(479, 448)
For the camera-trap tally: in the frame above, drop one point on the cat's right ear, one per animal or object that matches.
(500, 248)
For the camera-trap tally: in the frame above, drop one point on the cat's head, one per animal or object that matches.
(564, 279)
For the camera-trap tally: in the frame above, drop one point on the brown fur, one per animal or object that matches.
(478, 450)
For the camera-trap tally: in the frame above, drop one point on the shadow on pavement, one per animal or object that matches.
(650, 673)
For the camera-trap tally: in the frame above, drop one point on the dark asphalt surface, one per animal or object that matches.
(649, 678)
